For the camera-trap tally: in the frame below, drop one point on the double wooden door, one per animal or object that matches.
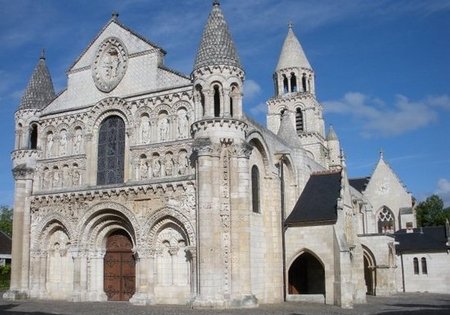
(119, 267)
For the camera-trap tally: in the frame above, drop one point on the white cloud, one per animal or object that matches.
(379, 119)
(251, 89)
(443, 190)
(261, 108)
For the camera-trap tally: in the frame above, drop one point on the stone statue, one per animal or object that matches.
(56, 179)
(77, 142)
(63, 143)
(47, 180)
(145, 130)
(164, 129)
(183, 163)
(66, 177)
(49, 152)
(143, 169)
(182, 125)
(168, 165)
(75, 176)
(156, 167)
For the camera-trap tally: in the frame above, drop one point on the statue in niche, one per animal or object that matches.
(182, 124)
(183, 163)
(156, 167)
(143, 169)
(75, 176)
(63, 143)
(77, 142)
(164, 129)
(168, 165)
(47, 179)
(111, 63)
(56, 179)
(49, 144)
(66, 177)
(145, 129)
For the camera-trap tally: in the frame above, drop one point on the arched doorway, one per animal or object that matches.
(370, 275)
(306, 275)
(119, 267)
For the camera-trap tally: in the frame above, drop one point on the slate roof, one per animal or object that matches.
(318, 202)
(359, 184)
(40, 91)
(5, 243)
(292, 54)
(430, 238)
(216, 46)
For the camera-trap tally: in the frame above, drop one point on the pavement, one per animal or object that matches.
(404, 303)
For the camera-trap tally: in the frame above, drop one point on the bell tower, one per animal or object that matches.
(222, 157)
(295, 95)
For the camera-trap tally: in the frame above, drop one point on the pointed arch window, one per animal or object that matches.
(111, 151)
(255, 190)
(33, 137)
(386, 223)
(416, 265)
(293, 82)
(423, 262)
(216, 101)
(299, 120)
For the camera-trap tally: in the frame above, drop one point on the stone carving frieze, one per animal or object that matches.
(110, 64)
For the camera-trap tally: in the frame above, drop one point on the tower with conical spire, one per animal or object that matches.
(295, 94)
(334, 149)
(37, 95)
(224, 271)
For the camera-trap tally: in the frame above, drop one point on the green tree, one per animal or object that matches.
(6, 217)
(431, 212)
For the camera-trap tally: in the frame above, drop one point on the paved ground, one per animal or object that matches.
(410, 304)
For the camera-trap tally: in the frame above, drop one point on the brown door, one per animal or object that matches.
(119, 267)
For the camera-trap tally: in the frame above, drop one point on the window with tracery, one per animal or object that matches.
(386, 221)
(111, 151)
(255, 189)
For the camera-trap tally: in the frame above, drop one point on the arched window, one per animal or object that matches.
(275, 82)
(216, 101)
(255, 190)
(293, 82)
(304, 82)
(201, 98)
(33, 137)
(424, 265)
(111, 151)
(282, 114)
(416, 265)
(386, 221)
(285, 84)
(299, 120)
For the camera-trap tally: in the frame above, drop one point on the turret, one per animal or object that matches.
(334, 149)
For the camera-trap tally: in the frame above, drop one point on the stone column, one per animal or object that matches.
(226, 103)
(240, 226)
(20, 251)
(144, 278)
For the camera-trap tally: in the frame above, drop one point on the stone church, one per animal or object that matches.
(139, 183)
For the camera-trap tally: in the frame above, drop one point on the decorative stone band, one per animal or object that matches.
(26, 154)
(294, 96)
(23, 172)
(218, 122)
(226, 70)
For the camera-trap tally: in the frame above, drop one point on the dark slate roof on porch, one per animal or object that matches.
(430, 238)
(359, 184)
(317, 204)
(5, 243)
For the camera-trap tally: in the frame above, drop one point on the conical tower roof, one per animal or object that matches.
(292, 54)
(331, 134)
(216, 46)
(40, 91)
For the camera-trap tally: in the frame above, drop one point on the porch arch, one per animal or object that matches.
(306, 275)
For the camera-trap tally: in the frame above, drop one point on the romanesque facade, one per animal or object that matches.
(139, 183)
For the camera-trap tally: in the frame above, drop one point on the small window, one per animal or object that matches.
(293, 82)
(285, 84)
(299, 121)
(424, 266)
(255, 189)
(33, 137)
(416, 265)
(304, 83)
(216, 101)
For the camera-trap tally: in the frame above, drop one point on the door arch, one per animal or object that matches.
(119, 271)
(370, 271)
(306, 275)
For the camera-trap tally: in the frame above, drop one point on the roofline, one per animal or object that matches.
(310, 223)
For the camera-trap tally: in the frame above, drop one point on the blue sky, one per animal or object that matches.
(382, 67)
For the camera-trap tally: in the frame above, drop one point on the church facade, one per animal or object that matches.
(139, 183)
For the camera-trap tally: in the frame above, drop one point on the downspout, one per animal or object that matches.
(403, 272)
(283, 227)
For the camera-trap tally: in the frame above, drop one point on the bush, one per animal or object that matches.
(5, 276)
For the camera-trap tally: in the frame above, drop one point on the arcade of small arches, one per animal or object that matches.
(109, 256)
(293, 81)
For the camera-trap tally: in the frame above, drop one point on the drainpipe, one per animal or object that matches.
(283, 227)
(403, 272)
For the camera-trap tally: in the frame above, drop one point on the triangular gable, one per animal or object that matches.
(135, 43)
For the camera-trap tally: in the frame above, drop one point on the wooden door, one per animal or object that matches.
(119, 268)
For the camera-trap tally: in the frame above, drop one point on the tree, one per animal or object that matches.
(431, 212)
(6, 217)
